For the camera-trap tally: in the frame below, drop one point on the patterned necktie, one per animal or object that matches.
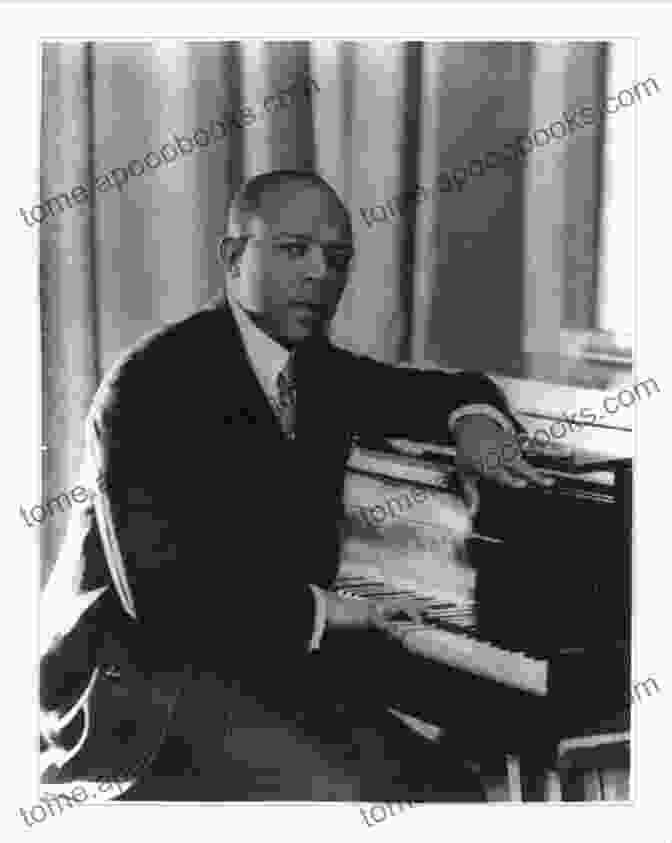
(285, 403)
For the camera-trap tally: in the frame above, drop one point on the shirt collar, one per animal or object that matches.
(268, 357)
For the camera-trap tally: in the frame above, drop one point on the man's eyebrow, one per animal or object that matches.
(283, 235)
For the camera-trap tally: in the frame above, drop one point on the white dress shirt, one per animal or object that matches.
(268, 358)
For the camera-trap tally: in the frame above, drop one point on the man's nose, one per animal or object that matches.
(316, 266)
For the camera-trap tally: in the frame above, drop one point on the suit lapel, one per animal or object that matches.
(320, 430)
(245, 397)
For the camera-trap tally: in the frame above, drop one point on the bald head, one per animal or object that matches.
(268, 190)
(287, 253)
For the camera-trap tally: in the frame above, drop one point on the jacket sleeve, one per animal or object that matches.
(398, 401)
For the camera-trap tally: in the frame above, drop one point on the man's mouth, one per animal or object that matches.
(310, 309)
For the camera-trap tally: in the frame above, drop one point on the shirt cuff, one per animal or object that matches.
(480, 410)
(320, 617)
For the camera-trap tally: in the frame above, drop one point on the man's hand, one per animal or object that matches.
(347, 612)
(356, 613)
(485, 449)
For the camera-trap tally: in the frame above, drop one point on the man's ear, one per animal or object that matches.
(230, 251)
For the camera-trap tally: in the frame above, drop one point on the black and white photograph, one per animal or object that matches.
(338, 390)
(323, 395)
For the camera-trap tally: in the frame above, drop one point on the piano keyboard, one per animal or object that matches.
(449, 635)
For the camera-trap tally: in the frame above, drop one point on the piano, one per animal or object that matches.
(523, 650)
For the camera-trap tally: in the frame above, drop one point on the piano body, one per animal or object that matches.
(523, 656)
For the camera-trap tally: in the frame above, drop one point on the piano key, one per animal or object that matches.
(449, 634)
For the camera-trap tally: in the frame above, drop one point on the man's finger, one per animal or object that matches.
(503, 477)
(469, 492)
(502, 455)
(397, 631)
(496, 458)
(528, 471)
(401, 611)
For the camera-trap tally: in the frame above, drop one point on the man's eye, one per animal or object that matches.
(294, 250)
(339, 260)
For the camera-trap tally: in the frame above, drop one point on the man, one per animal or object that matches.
(192, 646)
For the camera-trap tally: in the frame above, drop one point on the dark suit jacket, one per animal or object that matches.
(197, 552)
